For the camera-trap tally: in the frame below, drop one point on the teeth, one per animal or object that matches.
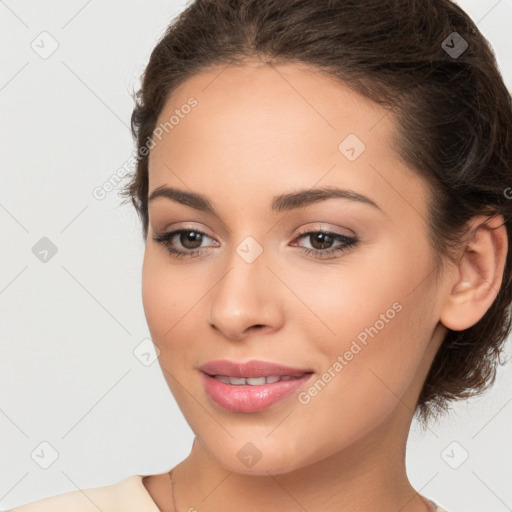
(254, 381)
(223, 378)
(237, 381)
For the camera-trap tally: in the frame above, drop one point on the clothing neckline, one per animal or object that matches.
(139, 478)
(142, 488)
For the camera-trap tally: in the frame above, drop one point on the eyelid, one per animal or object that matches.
(187, 227)
(320, 226)
(316, 226)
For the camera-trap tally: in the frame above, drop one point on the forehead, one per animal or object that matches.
(277, 103)
(275, 128)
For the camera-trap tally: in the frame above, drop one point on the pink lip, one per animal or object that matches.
(248, 398)
(252, 368)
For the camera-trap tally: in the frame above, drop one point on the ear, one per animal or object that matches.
(479, 274)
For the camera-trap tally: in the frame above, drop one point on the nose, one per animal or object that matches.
(247, 300)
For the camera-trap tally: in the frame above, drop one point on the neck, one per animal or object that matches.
(340, 482)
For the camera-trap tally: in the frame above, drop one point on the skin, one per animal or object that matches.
(256, 132)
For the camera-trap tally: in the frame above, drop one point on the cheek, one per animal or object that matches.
(154, 297)
(360, 295)
(375, 324)
(361, 383)
(166, 296)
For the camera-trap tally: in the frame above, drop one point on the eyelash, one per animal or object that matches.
(348, 243)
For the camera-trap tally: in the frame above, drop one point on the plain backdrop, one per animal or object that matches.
(80, 405)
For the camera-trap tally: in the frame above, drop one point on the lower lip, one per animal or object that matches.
(247, 398)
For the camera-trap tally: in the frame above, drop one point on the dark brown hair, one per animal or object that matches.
(453, 116)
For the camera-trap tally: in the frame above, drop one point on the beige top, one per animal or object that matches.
(127, 495)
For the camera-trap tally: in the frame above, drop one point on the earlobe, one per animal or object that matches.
(479, 274)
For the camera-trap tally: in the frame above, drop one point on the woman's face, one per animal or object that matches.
(357, 308)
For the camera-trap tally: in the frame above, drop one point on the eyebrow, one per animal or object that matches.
(280, 203)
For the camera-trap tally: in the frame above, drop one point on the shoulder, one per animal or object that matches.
(127, 495)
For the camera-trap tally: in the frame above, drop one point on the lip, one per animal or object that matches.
(247, 398)
(249, 369)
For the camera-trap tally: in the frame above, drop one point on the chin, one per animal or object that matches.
(259, 454)
(261, 468)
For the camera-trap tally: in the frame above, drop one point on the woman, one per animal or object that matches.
(324, 189)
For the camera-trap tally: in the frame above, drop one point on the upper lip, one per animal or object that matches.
(249, 369)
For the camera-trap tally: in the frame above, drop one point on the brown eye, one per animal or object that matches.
(320, 240)
(322, 243)
(182, 242)
(190, 239)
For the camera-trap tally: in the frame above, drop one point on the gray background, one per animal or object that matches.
(70, 325)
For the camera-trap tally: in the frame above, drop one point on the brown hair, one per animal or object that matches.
(453, 118)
